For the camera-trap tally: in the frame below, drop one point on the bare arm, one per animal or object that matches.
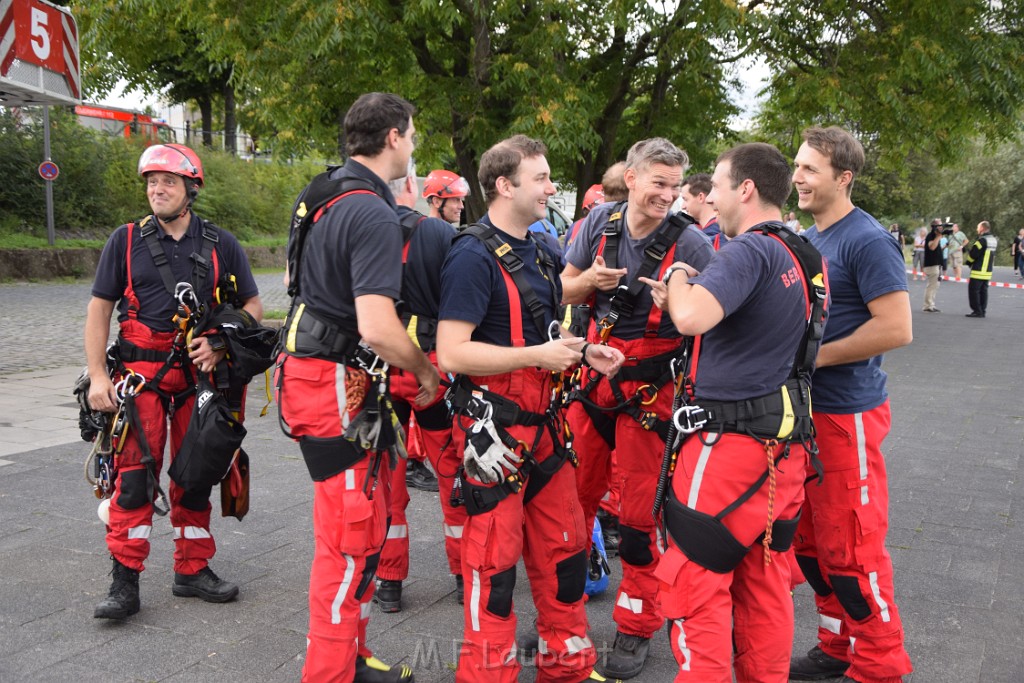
(458, 353)
(382, 329)
(254, 306)
(692, 308)
(97, 331)
(889, 327)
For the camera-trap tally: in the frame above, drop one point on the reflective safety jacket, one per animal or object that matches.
(981, 257)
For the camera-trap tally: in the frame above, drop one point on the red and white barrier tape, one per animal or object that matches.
(1007, 285)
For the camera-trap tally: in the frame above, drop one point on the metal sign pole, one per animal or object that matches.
(50, 234)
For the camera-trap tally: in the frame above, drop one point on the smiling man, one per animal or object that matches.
(618, 244)
(840, 543)
(498, 316)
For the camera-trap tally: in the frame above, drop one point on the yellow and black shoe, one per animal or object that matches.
(372, 670)
(594, 676)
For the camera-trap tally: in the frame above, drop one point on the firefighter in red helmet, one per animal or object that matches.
(445, 192)
(152, 270)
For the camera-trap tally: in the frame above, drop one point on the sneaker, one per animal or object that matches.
(123, 599)
(527, 645)
(372, 670)
(627, 657)
(460, 589)
(594, 676)
(975, 315)
(388, 596)
(932, 310)
(817, 666)
(419, 476)
(205, 585)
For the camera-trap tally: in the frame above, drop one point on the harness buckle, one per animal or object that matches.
(689, 419)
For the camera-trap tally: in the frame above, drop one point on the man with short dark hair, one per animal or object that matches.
(639, 239)
(333, 398)
(981, 258)
(840, 543)
(694, 194)
(500, 332)
(758, 309)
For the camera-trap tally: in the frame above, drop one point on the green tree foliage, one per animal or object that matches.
(906, 76)
(99, 186)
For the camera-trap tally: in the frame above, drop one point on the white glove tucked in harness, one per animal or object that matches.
(486, 455)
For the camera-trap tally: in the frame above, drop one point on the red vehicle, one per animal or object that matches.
(124, 122)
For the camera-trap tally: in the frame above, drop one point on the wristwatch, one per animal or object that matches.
(671, 270)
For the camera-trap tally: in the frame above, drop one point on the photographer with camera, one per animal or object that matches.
(932, 265)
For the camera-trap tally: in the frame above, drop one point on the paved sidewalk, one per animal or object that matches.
(955, 475)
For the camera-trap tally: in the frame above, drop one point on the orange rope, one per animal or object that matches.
(769, 449)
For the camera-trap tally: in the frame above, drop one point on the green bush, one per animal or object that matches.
(99, 187)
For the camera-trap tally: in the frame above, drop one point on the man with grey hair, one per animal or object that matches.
(619, 243)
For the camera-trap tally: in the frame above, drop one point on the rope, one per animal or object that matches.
(769, 449)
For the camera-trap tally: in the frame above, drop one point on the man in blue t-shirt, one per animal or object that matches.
(499, 330)
(617, 244)
(753, 307)
(840, 544)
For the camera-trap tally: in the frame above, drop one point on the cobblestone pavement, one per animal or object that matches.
(41, 323)
(954, 465)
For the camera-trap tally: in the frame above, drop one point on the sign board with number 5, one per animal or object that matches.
(38, 54)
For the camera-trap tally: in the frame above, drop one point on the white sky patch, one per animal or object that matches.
(753, 74)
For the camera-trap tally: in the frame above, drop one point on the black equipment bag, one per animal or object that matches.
(213, 436)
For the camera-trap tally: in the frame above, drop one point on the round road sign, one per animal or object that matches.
(48, 170)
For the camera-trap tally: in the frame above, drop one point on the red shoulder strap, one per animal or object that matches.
(129, 291)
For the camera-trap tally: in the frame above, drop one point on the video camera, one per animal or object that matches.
(947, 227)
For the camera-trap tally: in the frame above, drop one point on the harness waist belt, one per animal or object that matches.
(130, 353)
(308, 335)
(471, 401)
(649, 369)
(783, 414)
(425, 330)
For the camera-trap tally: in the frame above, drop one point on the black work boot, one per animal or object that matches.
(460, 589)
(123, 599)
(372, 670)
(205, 585)
(609, 532)
(817, 666)
(419, 476)
(627, 656)
(388, 596)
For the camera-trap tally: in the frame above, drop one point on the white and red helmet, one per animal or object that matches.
(593, 197)
(445, 184)
(172, 158)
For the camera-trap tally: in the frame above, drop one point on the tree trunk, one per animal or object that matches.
(230, 126)
(206, 113)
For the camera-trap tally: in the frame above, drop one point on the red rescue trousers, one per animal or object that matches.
(131, 507)
(840, 546)
(349, 520)
(548, 532)
(436, 445)
(742, 618)
(637, 464)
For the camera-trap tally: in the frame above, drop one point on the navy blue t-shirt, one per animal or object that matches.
(428, 248)
(156, 305)
(864, 262)
(473, 289)
(751, 352)
(354, 249)
(692, 247)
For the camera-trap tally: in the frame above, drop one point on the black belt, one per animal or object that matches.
(131, 353)
(470, 400)
(656, 369)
